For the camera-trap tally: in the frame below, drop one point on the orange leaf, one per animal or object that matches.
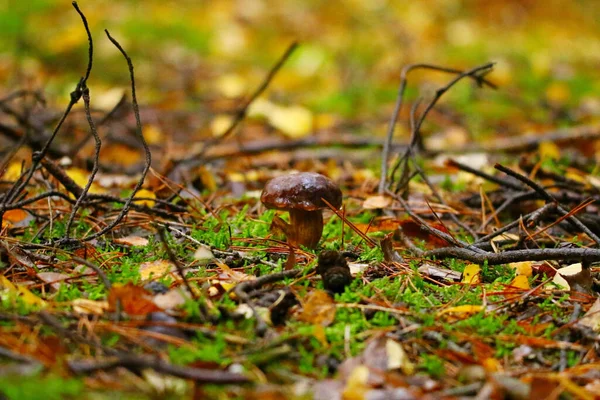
(318, 308)
(135, 300)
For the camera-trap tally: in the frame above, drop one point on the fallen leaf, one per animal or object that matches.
(438, 274)
(520, 282)
(293, 121)
(318, 308)
(21, 292)
(171, 300)
(549, 150)
(203, 255)
(12, 172)
(591, 318)
(155, 269)
(414, 229)
(135, 241)
(81, 178)
(135, 300)
(522, 268)
(148, 197)
(356, 384)
(153, 134)
(462, 311)
(231, 85)
(220, 124)
(376, 202)
(86, 306)
(53, 278)
(472, 274)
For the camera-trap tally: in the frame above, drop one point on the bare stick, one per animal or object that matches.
(90, 42)
(86, 102)
(241, 114)
(398, 107)
(24, 179)
(140, 135)
(582, 254)
(549, 198)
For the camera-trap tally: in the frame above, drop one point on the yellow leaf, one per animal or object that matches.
(505, 236)
(463, 311)
(558, 93)
(549, 150)
(260, 107)
(294, 121)
(207, 178)
(357, 384)
(471, 274)
(86, 306)
(12, 172)
(22, 292)
(492, 365)
(153, 134)
(220, 124)
(231, 85)
(520, 282)
(155, 269)
(522, 268)
(374, 202)
(135, 241)
(397, 357)
(318, 308)
(319, 334)
(81, 177)
(145, 194)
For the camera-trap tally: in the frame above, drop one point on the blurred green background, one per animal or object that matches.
(348, 65)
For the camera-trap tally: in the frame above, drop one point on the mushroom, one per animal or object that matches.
(302, 196)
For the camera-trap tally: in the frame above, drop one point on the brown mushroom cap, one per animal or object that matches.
(301, 191)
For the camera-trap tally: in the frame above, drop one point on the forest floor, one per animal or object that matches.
(139, 257)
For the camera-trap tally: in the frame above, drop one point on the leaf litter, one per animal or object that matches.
(432, 280)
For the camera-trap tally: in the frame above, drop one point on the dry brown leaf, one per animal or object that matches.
(53, 278)
(155, 269)
(318, 308)
(135, 241)
(375, 202)
(86, 306)
(591, 318)
(135, 300)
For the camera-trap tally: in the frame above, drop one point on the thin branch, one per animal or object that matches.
(198, 158)
(583, 254)
(549, 198)
(398, 107)
(140, 135)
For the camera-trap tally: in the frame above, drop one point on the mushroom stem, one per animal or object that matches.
(305, 228)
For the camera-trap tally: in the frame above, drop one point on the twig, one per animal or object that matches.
(583, 254)
(398, 107)
(135, 363)
(475, 73)
(495, 179)
(549, 198)
(140, 135)
(241, 114)
(96, 269)
(435, 232)
(242, 289)
(175, 261)
(86, 102)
